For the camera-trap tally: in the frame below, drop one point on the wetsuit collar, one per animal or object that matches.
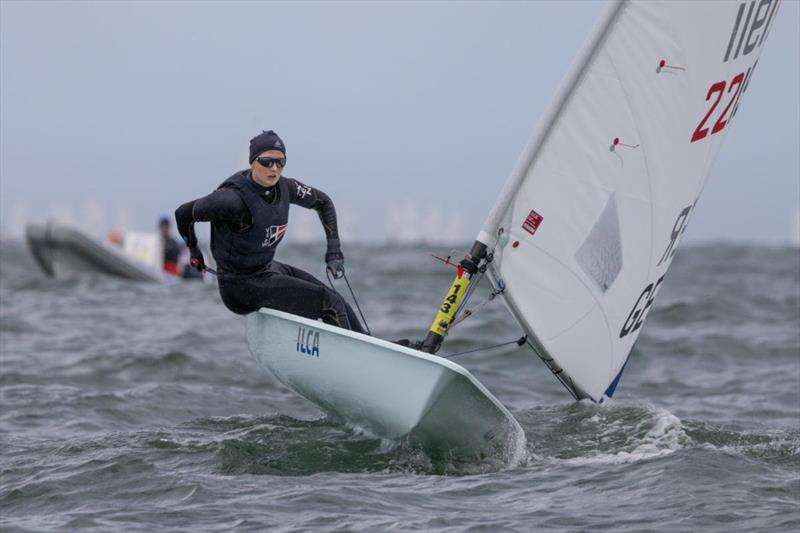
(267, 192)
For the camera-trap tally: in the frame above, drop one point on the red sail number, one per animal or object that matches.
(737, 81)
(701, 132)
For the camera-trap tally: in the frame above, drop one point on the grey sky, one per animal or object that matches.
(113, 113)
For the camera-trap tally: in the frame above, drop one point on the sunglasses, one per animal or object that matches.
(269, 162)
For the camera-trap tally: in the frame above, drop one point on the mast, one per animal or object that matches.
(467, 268)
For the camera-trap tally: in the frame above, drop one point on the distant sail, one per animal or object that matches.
(589, 221)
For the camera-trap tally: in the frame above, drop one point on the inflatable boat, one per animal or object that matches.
(63, 251)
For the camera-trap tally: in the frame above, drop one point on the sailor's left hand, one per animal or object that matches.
(335, 262)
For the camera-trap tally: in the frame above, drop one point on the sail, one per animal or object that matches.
(588, 223)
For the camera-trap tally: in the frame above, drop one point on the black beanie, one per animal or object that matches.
(266, 140)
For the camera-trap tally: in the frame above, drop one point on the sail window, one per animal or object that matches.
(600, 255)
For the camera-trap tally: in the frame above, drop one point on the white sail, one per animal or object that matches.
(588, 222)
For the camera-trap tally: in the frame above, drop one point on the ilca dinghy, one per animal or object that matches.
(577, 244)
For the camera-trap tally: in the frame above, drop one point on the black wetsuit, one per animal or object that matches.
(248, 221)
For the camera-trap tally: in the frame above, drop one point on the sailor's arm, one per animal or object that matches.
(222, 205)
(311, 198)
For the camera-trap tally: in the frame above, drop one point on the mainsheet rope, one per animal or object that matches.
(518, 342)
(352, 294)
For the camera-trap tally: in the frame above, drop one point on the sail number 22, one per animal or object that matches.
(751, 26)
(718, 88)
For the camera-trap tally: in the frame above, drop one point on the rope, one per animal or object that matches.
(357, 306)
(518, 342)
(472, 286)
(352, 294)
(469, 312)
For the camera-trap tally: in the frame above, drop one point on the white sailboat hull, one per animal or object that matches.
(389, 390)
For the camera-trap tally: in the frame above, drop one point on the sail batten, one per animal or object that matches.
(588, 222)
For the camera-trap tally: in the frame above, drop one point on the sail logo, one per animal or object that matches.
(307, 341)
(274, 234)
(753, 32)
(533, 221)
(639, 312)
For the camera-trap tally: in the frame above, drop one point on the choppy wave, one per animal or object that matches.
(129, 406)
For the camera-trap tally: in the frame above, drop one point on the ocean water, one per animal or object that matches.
(138, 407)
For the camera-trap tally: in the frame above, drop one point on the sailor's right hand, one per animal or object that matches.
(196, 260)
(335, 264)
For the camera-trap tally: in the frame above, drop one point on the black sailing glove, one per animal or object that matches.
(335, 262)
(197, 259)
(334, 258)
